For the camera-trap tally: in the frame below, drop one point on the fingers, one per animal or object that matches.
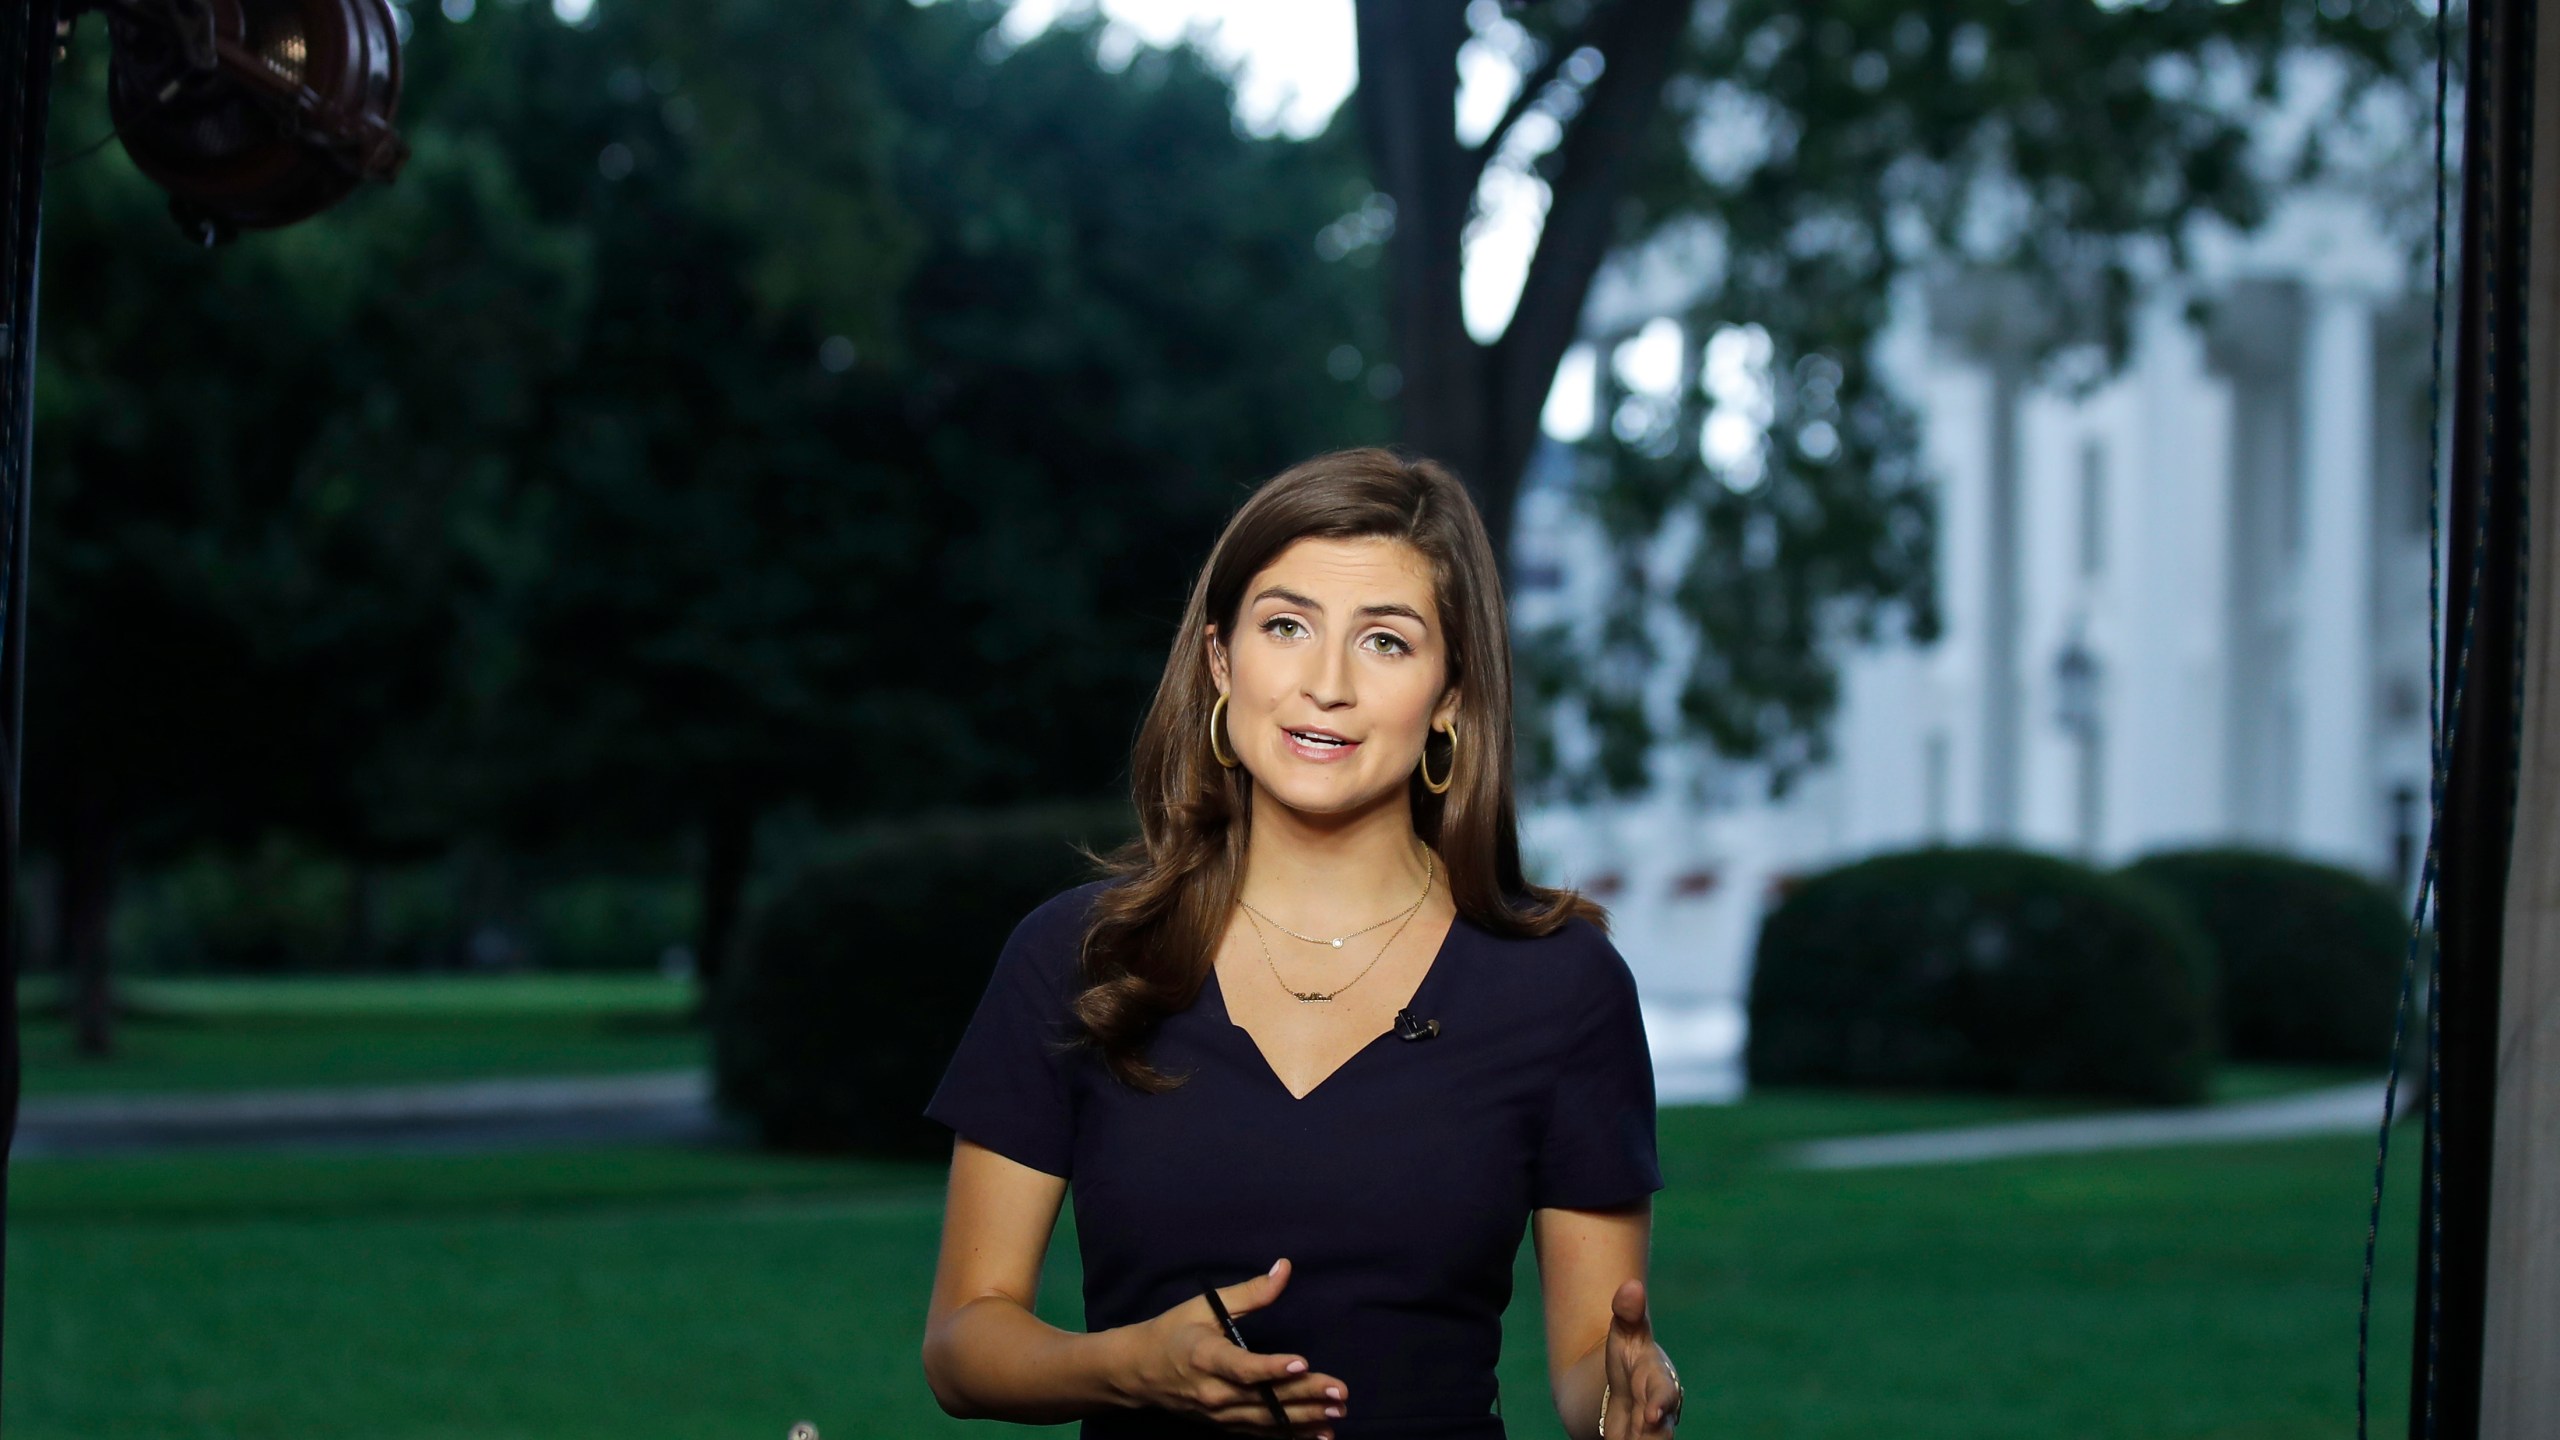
(1237, 1373)
(1245, 1367)
(1311, 1400)
(1626, 1307)
(1637, 1367)
(1312, 1403)
(1287, 1375)
(1257, 1292)
(1653, 1398)
(1654, 1393)
(1642, 1411)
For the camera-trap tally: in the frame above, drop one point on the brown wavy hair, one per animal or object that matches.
(1152, 936)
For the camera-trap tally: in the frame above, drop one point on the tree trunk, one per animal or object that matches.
(1407, 102)
(1472, 406)
(728, 851)
(88, 881)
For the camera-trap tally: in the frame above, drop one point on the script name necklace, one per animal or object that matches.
(1254, 918)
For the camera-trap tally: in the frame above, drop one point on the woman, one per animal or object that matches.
(1316, 1044)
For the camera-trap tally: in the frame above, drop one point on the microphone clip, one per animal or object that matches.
(1411, 1027)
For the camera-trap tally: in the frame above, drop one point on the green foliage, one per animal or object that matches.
(774, 556)
(2309, 954)
(732, 406)
(1806, 167)
(1981, 969)
(277, 907)
(256, 468)
(855, 982)
(608, 922)
(286, 907)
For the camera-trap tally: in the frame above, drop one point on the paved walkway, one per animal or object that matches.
(675, 1105)
(2343, 1110)
(472, 1115)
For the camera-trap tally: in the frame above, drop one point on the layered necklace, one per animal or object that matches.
(1257, 919)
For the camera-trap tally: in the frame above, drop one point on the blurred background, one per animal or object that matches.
(549, 683)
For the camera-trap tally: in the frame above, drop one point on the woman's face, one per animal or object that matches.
(1336, 674)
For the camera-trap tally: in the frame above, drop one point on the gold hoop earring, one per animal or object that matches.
(1218, 723)
(1441, 787)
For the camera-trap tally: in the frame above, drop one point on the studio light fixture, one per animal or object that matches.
(254, 114)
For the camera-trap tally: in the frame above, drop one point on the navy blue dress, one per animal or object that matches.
(1400, 1188)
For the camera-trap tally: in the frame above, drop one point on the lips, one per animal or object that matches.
(1312, 742)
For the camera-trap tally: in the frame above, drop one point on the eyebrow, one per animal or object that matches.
(1303, 602)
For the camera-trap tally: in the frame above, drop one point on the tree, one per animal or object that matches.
(732, 406)
(914, 544)
(252, 465)
(1815, 155)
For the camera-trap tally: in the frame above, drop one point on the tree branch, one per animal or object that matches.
(1532, 85)
(1638, 40)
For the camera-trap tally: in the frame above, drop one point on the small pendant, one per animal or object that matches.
(1304, 996)
(1337, 944)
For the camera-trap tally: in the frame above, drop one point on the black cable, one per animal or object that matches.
(27, 59)
(2441, 721)
(83, 153)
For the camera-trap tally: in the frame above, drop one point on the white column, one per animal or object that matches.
(2168, 585)
(2337, 814)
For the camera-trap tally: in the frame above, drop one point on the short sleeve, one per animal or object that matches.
(1008, 1085)
(1598, 1149)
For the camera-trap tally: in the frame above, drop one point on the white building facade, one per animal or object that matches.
(2185, 607)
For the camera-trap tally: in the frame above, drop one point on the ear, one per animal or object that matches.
(1446, 712)
(1217, 656)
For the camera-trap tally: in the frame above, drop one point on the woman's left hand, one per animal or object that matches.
(1644, 1391)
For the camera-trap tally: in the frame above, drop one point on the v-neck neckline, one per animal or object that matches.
(1421, 992)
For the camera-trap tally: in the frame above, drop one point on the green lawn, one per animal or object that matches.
(642, 1294)
(287, 1033)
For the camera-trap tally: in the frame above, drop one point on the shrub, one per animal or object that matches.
(609, 922)
(2309, 954)
(852, 984)
(276, 908)
(1981, 969)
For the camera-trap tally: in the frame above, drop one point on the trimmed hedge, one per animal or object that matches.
(2309, 954)
(1985, 969)
(852, 985)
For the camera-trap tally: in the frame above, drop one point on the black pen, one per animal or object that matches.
(1270, 1397)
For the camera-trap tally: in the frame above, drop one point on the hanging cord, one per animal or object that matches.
(2442, 721)
(150, 110)
(15, 331)
(84, 152)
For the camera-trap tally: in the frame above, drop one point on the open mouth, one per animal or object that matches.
(1322, 742)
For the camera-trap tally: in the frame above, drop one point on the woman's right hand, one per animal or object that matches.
(1184, 1362)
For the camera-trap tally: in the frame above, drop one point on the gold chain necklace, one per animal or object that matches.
(1306, 996)
(1428, 868)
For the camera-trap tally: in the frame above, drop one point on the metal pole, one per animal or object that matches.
(2486, 489)
(27, 54)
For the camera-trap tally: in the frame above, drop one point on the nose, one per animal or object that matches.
(1328, 680)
